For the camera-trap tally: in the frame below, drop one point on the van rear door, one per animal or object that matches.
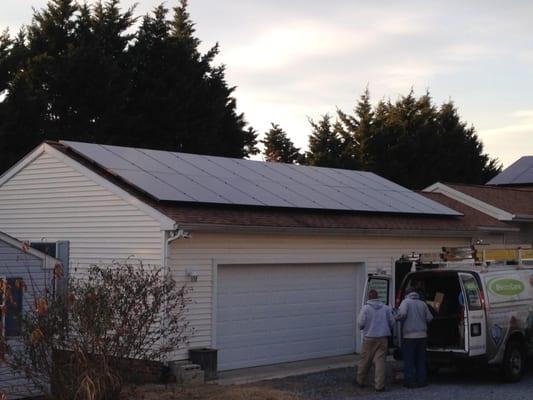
(474, 316)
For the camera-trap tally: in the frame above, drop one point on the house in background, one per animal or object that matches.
(276, 254)
(518, 174)
(19, 262)
(512, 205)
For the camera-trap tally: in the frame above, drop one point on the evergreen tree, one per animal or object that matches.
(83, 72)
(415, 143)
(179, 94)
(331, 145)
(279, 147)
(357, 127)
(325, 145)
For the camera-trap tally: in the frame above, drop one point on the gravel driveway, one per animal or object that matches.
(450, 384)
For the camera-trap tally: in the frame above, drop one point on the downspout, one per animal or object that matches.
(170, 236)
(166, 270)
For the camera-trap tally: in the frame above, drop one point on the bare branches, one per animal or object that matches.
(121, 311)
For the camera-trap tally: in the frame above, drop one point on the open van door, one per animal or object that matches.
(474, 316)
(381, 284)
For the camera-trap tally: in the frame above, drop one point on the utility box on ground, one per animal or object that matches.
(207, 359)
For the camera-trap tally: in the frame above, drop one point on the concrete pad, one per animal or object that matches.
(394, 370)
(277, 371)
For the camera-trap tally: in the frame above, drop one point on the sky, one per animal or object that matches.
(292, 60)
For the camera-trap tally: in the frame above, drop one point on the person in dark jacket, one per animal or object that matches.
(415, 316)
(376, 321)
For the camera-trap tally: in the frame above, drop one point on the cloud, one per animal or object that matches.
(511, 140)
(522, 122)
(284, 45)
(296, 41)
(466, 52)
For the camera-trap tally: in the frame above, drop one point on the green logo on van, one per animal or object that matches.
(506, 287)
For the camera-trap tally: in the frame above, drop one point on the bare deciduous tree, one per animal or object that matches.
(73, 346)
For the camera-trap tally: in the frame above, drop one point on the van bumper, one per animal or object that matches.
(450, 357)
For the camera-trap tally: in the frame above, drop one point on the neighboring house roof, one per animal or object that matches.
(48, 262)
(518, 173)
(503, 203)
(192, 179)
(472, 217)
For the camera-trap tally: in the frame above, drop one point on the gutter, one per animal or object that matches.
(523, 218)
(498, 229)
(219, 228)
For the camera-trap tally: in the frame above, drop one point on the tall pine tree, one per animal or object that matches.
(330, 145)
(415, 143)
(86, 73)
(325, 145)
(279, 147)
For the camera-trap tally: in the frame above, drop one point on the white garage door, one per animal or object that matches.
(268, 314)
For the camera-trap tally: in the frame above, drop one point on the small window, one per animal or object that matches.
(13, 306)
(473, 298)
(48, 248)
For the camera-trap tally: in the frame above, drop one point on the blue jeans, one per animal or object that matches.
(414, 359)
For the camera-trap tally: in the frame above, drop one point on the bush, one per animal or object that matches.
(74, 344)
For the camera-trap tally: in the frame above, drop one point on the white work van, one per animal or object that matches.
(482, 314)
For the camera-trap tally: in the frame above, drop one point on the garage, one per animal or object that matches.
(268, 314)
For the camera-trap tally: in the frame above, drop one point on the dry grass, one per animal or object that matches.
(206, 392)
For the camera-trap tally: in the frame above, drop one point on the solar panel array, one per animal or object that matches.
(190, 178)
(518, 173)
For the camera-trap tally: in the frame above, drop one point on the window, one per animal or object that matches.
(11, 298)
(48, 248)
(473, 299)
(381, 286)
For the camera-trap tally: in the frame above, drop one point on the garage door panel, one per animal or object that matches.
(268, 314)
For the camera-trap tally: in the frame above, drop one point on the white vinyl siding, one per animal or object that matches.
(50, 200)
(204, 251)
(16, 264)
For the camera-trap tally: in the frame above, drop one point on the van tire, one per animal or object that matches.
(514, 362)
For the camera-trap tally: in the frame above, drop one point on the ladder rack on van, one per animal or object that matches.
(481, 257)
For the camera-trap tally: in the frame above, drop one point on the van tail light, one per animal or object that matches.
(399, 298)
(482, 297)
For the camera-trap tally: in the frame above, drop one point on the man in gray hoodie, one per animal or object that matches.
(376, 321)
(415, 316)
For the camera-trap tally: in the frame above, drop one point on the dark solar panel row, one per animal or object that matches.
(185, 177)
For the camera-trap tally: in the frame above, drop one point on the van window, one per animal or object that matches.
(473, 299)
(381, 286)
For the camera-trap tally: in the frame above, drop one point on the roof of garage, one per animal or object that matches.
(192, 179)
(195, 214)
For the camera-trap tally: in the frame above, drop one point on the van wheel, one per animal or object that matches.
(514, 361)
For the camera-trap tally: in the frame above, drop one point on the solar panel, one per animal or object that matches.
(190, 178)
(519, 172)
